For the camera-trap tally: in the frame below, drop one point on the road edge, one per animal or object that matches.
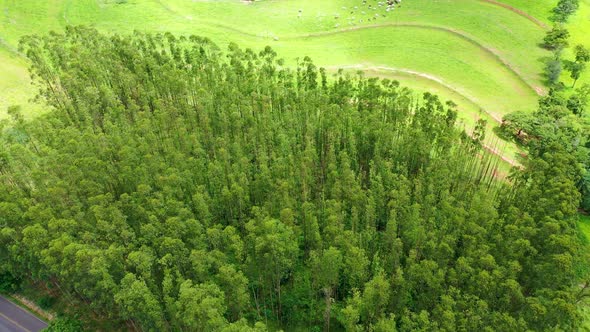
(29, 306)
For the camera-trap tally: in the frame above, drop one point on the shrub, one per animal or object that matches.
(556, 38)
(553, 70)
(564, 9)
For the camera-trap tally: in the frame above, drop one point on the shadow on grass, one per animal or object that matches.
(503, 135)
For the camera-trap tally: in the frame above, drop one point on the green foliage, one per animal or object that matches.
(564, 9)
(64, 324)
(9, 283)
(561, 121)
(200, 307)
(582, 54)
(576, 67)
(178, 187)
(556, 38)
(46, 302)
(557, 120)
(136, 301)
(553, 69)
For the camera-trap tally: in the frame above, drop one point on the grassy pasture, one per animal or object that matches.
(482, 54)
(15, 87)
(540, 9)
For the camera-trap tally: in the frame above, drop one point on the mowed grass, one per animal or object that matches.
(15, 85)
(481, 55)
(540, 9)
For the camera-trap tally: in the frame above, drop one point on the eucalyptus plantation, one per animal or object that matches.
(176, 186)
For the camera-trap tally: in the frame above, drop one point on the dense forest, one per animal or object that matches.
(176, 186)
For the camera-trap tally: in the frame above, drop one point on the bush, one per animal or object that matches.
(564, 9)
(553, 70)
(556, 38)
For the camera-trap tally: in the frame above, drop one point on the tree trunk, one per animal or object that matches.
(327, 312)
(279, 316)
(256, 302)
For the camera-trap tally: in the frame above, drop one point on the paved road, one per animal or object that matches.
(16, 319)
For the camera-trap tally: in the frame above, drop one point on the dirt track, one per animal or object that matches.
(519, 12)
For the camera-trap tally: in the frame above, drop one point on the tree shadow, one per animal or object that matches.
(502, 134)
